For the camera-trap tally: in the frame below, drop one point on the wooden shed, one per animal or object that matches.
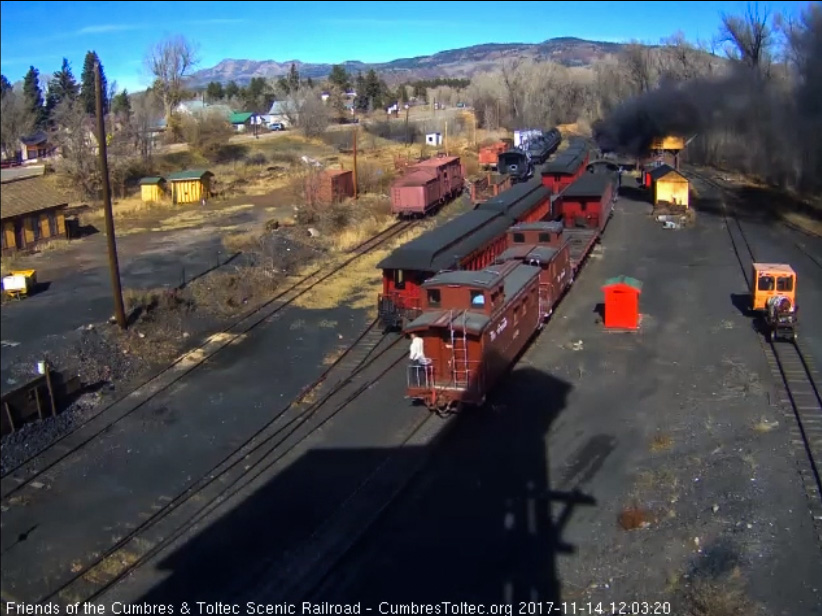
(622, 302)
(152, 189)
(192, 186)
(32, 212)
(669, 186)
(333, 185)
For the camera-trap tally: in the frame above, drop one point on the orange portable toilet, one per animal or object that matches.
(622, 302)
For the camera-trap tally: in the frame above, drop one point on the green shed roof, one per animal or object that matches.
(239, 117)
(191, 174)
(627, 280)
(151, 180)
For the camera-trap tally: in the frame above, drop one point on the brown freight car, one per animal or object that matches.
(473, 326)
(330, 186)
(427, 185)
(543, 245)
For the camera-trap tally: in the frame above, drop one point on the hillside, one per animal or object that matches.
(463, 62)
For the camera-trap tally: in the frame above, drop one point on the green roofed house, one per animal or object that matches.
(152, 189)
(192, 186)
(240, 120)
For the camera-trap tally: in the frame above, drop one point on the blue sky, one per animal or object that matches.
(121, 32)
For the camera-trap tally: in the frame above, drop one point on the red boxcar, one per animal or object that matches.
(524, 202)
(543, 245)
(473, 326)
(588, 202)
(561, 172)
(427, 185)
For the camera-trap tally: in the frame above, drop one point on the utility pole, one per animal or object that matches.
(119, 310)
(355, 162)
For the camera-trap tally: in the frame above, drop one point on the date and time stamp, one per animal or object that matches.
(383, 608)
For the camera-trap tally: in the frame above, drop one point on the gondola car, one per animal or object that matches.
(773, 298)
(473, 326)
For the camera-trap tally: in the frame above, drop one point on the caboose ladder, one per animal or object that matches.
(459, 354)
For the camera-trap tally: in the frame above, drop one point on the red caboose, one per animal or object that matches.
(473, 327)
(543, 245)
(427, 185)
(588, 202)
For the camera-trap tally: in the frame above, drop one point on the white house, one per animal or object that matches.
(434, 139)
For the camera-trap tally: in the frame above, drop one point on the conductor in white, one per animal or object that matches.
(417, 358)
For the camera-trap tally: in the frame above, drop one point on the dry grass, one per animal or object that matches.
(764, 426)
(661, 442)
(191, 219)
(226, 293)
(358, 284)
(111, 567)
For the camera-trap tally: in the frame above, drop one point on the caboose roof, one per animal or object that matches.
(473, 322)
(589, 185)
(443, 247)
(543, 254)
(483, 279)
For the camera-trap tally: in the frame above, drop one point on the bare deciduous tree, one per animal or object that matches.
(749, 38)
(170, 62)
(16, 121)
(207, 133)
(74, 135)
(306, 110)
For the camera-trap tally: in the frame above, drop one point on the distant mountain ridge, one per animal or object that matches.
(464, 62)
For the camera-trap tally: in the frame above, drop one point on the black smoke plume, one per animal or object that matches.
(679, 109)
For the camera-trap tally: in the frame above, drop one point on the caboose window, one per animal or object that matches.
(434, 297)
(765, 283)
(784, 283)
(477, 298)
(399, 279)
(519, 238)
(544, 237)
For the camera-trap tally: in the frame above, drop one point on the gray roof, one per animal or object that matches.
(590, 185)
(444, 246)
(528, 252)
(458, 319)
(483, 279)
(518, 199)
(567, 162)
(543, 225)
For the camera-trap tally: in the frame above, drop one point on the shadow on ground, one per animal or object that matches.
(476, 524)
(756, 204)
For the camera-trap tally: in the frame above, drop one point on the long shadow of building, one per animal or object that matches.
(480, 521)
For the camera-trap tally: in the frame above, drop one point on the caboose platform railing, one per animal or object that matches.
(467, 376)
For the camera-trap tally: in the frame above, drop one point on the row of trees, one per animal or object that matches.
(752, 95)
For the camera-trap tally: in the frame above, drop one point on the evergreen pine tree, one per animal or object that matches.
(87, 94)
(34, 96)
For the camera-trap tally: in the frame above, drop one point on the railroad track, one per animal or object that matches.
(46, 458)
(367, 360)
(793, 372)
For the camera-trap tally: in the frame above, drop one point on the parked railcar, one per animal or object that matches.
(526, 202)
(517, 164)
(542, 244)
(588, 202)
(470, 241)
(426, 186)
(473, 327)
(561, 172)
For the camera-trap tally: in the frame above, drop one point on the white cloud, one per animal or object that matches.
(103, 28)
(380, 23)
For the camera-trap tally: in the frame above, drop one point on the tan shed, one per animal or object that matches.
(669, 186)
(193, 186)
(152, 189)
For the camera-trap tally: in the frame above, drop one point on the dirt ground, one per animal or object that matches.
(614, 467)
